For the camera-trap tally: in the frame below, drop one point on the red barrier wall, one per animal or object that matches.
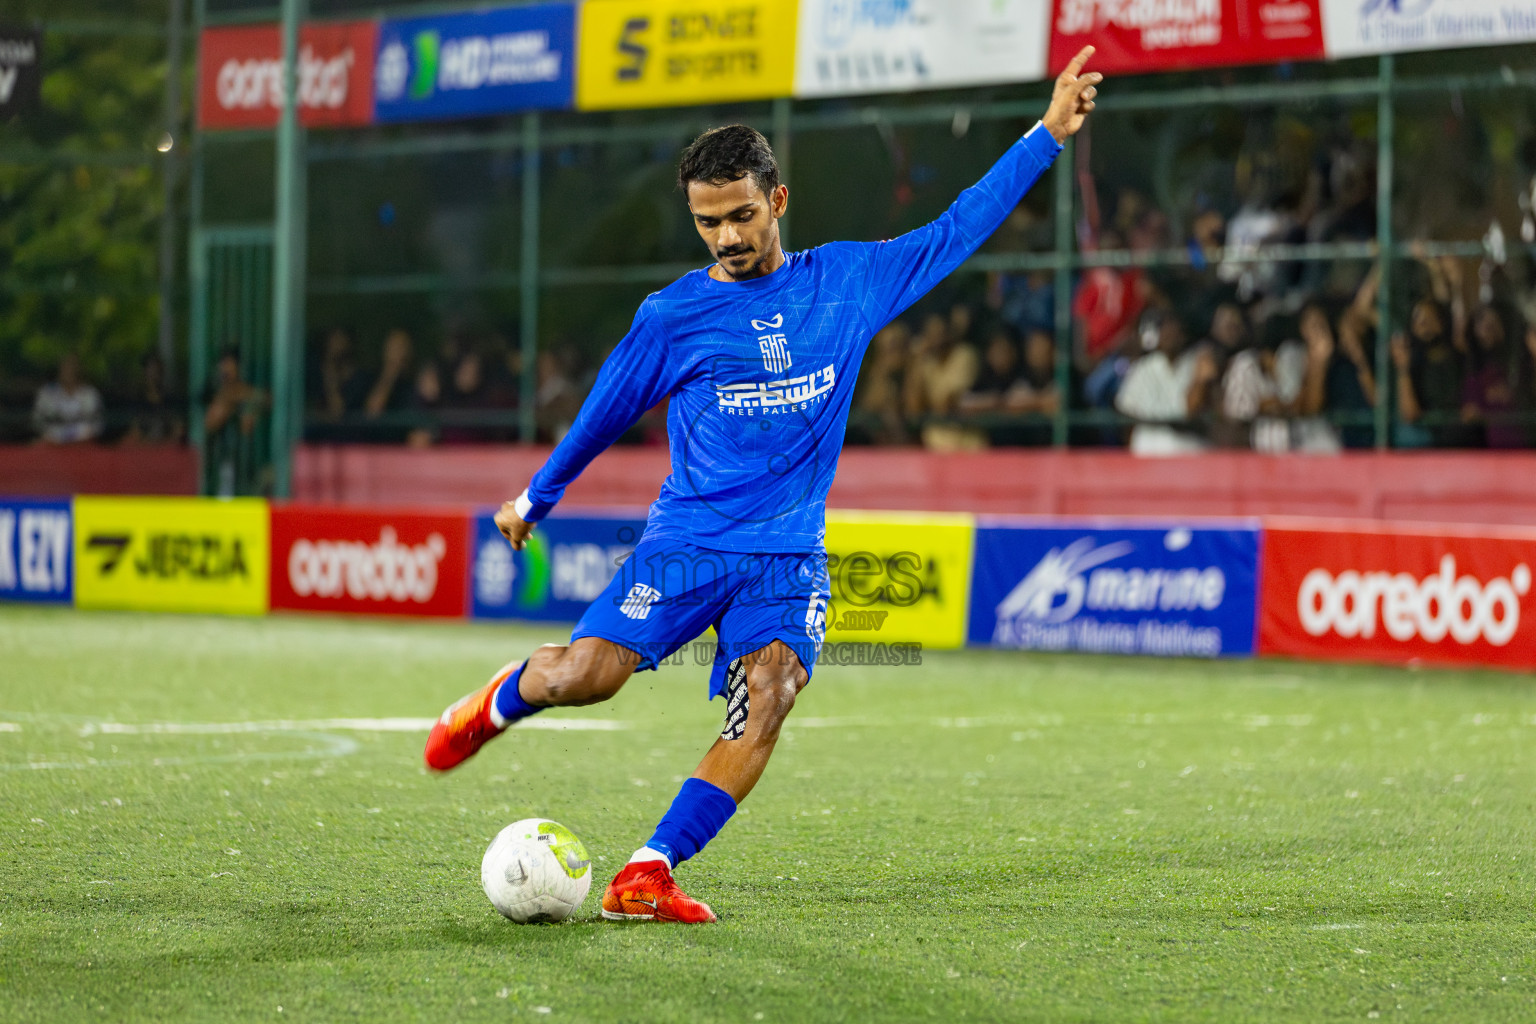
(1447, 487)
(97, 469)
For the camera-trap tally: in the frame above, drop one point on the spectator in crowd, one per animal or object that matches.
(1105, 313)
(466, 393)
(1158, 390)
(1227, 338)
(1025, 302)
(391, 389)
(1428, 373)
(1261, 391)
(1339, 381)
(1017, 389)
(943, 368)
(343, 385)
(882, 383)
(426, 401)
(155, 417)
(557, 399)
(68, 410)
(233, 409)
(1491, 391)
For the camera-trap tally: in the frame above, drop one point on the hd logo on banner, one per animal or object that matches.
(654, 53)
(565, 566)
(35, 558)
(172, 554)
(897, 45)
(485, 62)
(1177, 592)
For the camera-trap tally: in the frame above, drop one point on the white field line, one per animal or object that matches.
(9, 727)
(329, 725)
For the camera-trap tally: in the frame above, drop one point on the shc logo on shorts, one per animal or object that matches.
(637, 605)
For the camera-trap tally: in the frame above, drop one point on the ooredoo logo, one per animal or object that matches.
(257, 82)
(1353, 604)
(383, 571)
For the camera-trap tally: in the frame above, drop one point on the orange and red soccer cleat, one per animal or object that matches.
(466, 726)
(646, 892)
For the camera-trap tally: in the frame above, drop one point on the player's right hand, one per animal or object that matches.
(512, 526)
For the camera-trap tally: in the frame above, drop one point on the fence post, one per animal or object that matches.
(288, 263)
(528, 313)
(1385, 172)
(1063, 301)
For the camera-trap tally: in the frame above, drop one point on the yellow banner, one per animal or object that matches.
(172, 554)
(899, 577)
(656, 53)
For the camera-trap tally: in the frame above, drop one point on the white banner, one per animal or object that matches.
(1357, 27)
(871, 46)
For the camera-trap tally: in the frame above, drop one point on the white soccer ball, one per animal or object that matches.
(536, 870)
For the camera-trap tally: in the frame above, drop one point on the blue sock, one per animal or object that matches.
(696, 816)
(509, 706)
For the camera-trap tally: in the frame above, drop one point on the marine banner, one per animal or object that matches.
(172, 554)
(654, 53)
(566, 564)
(1174, 590)
(480, 62)
(846, 48)
(36, 560)
(1364, 592)
(1360, 27)
(899, 577)
(1135, 36)
(378, 561)
(240, 75)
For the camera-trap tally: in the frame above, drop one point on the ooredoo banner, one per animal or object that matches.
(567, 562)
(240, 80)
(1177, 591)
(1357, 27)
(1165, 35)
(35, 550)
(379, 561)
(1346, 592)
(845, 48)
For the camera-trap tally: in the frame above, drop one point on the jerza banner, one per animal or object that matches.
(485, 62)
(899, 577)
(653, 53)
(35, 550)
(1178, 591)
(240, 75)
(1137, 35)
(846, 48)
(1346, 592)
(566, 564)
(171, 554)
(1357, 27)
(21, 72)
(379, 561)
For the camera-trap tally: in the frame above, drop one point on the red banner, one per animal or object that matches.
(1166, 35)
(1343, 592)
(382, 561)
(239, 75)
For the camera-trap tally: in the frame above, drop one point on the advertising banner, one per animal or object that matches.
(654, 53)
(172, 554)
(21, 71)
(1341, 592)
(1358, 27)
(845, 48)
(35, 551)
(899, 577)
(378, 561)
(239, 75)
(568, 561)
(1177, 591)
(482, 62)
(1137, 36)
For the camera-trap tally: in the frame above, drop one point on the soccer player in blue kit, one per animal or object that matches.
(758, 355)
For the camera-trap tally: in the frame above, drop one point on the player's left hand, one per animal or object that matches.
(1072, 101)
(512, 526)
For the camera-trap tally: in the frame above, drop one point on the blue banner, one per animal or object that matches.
(467, 65)
(36, 551)
(1175, 591)
(565, 566)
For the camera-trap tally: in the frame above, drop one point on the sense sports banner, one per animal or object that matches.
(376, 561)
(1352, 592)
(567, 562)
(240, 75)
(654, 53)
(899, 577)
(172, 554)
(1357, 27)
(845, 48)
(36, 556)
(1166, 35)
(21, 72)
(483, 62)
(1179, 591)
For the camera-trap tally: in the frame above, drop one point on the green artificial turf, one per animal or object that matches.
(990, 836)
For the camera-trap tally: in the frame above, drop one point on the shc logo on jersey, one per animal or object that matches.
(637, 605)
(775, 346)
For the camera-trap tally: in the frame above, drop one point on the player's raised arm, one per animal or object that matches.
(903, 270)
(633, 379)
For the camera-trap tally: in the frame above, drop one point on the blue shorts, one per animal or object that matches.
(668, 592)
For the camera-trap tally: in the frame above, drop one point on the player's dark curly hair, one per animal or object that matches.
(723, 155)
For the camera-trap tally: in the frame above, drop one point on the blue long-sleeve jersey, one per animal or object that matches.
(761, 373)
